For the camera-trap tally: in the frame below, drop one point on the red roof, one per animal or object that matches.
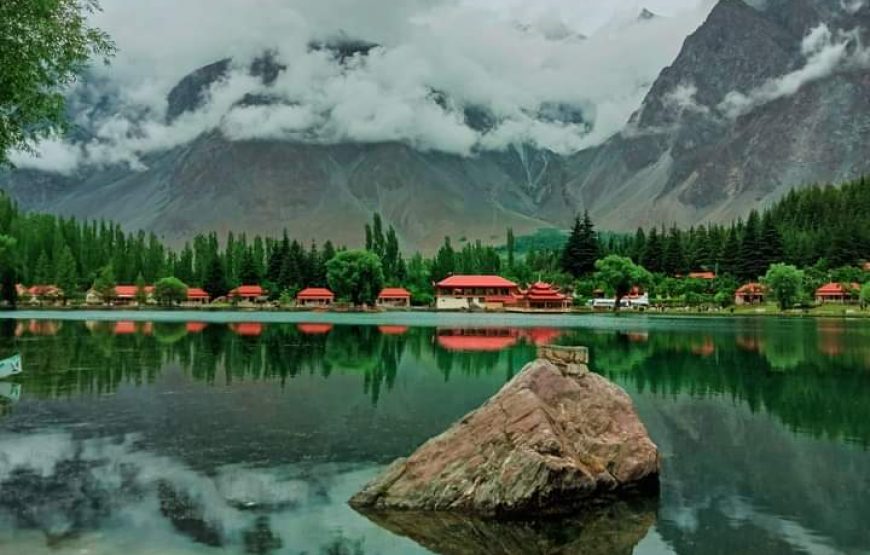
(394, 293)
(836, 290)
(702, 275)
(314, 329)
(752, 288)
(196, 293)
(544, 292)
(44, 291)
(316, 293)
(393, 330)
(129, 291)
(476, 281)
(248, 291)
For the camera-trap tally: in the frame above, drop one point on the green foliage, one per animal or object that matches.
(582, 249)
(8, 270)
(356, 276)
(67, 275)
(784, 283)
(620, 274)
(864, 295)
(104, 285)
(170, 291)
(44, 46)
(141, 293)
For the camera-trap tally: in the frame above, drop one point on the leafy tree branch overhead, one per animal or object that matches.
(45, 45)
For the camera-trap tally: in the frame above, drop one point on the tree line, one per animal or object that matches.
(817, 228)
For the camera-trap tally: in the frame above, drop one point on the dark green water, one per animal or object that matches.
(188, 438)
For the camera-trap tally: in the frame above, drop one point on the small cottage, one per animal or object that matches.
(750, 293)
(394, 297)
(315, 297)
(837, 292)
(248, 294)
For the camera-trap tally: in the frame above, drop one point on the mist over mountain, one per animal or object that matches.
(447, 127)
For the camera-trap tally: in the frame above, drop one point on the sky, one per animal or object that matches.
(519, 61)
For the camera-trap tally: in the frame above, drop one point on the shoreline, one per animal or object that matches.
(419, 318)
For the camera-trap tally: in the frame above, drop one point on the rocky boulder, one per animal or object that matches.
(556, 439)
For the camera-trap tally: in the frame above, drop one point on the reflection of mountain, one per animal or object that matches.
(736, 479)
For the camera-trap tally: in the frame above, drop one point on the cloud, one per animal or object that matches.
(436, 59)
(825, 53)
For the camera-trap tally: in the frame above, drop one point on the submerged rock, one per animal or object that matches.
(557, 438)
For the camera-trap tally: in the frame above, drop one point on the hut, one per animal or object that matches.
(750, 293)
(837, 292)
(315, 297)
(248, 294)
(196, 297)
(394, 297)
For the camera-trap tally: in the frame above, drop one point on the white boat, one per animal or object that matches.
(10, 366)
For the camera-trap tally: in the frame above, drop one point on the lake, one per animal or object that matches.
(149, 433)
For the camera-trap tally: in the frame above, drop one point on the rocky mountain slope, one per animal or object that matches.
(761, 98)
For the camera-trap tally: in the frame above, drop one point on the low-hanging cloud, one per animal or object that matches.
(825, 53)
(434, 60)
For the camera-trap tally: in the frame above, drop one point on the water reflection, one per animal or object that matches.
(197, 438)
(615, 529)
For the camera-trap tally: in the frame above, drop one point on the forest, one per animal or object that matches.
(822, 229)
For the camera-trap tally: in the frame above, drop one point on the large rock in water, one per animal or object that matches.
(554, 440)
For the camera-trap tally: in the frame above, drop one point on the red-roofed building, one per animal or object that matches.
(248, 294)
(196, 296)
(124, 295)
(315, 297)
(750, 293)
(476, 292)
(394, 297)
(543, 296)
(39, 294)
(837, 292)
(702, 275)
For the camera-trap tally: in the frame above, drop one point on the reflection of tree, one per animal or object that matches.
(808, 373)
(260, 539)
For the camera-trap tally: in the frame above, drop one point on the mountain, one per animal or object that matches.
(682, 158)
(761, 98)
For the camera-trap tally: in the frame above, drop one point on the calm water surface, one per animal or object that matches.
(198, 438)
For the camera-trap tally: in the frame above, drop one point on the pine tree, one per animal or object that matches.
(215, 280)
(653, 253)
(66, 277)
(511, 248)
(751, 265)
(141, 291)
(730, 260)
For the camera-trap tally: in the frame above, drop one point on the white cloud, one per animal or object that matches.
(825, 53)
(474, 53)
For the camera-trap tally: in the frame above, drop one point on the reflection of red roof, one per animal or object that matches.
(394, 293)
(315, 293)
(542, 336)
(836, 290)
(124, 328)
(195, 293)
(705, 349)
(544, 292)
(751, 289)
(196, 327)
(475, 343)
(248, 329)
(393, 330)
(476, 281)
(314, 329)
(248, 291)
